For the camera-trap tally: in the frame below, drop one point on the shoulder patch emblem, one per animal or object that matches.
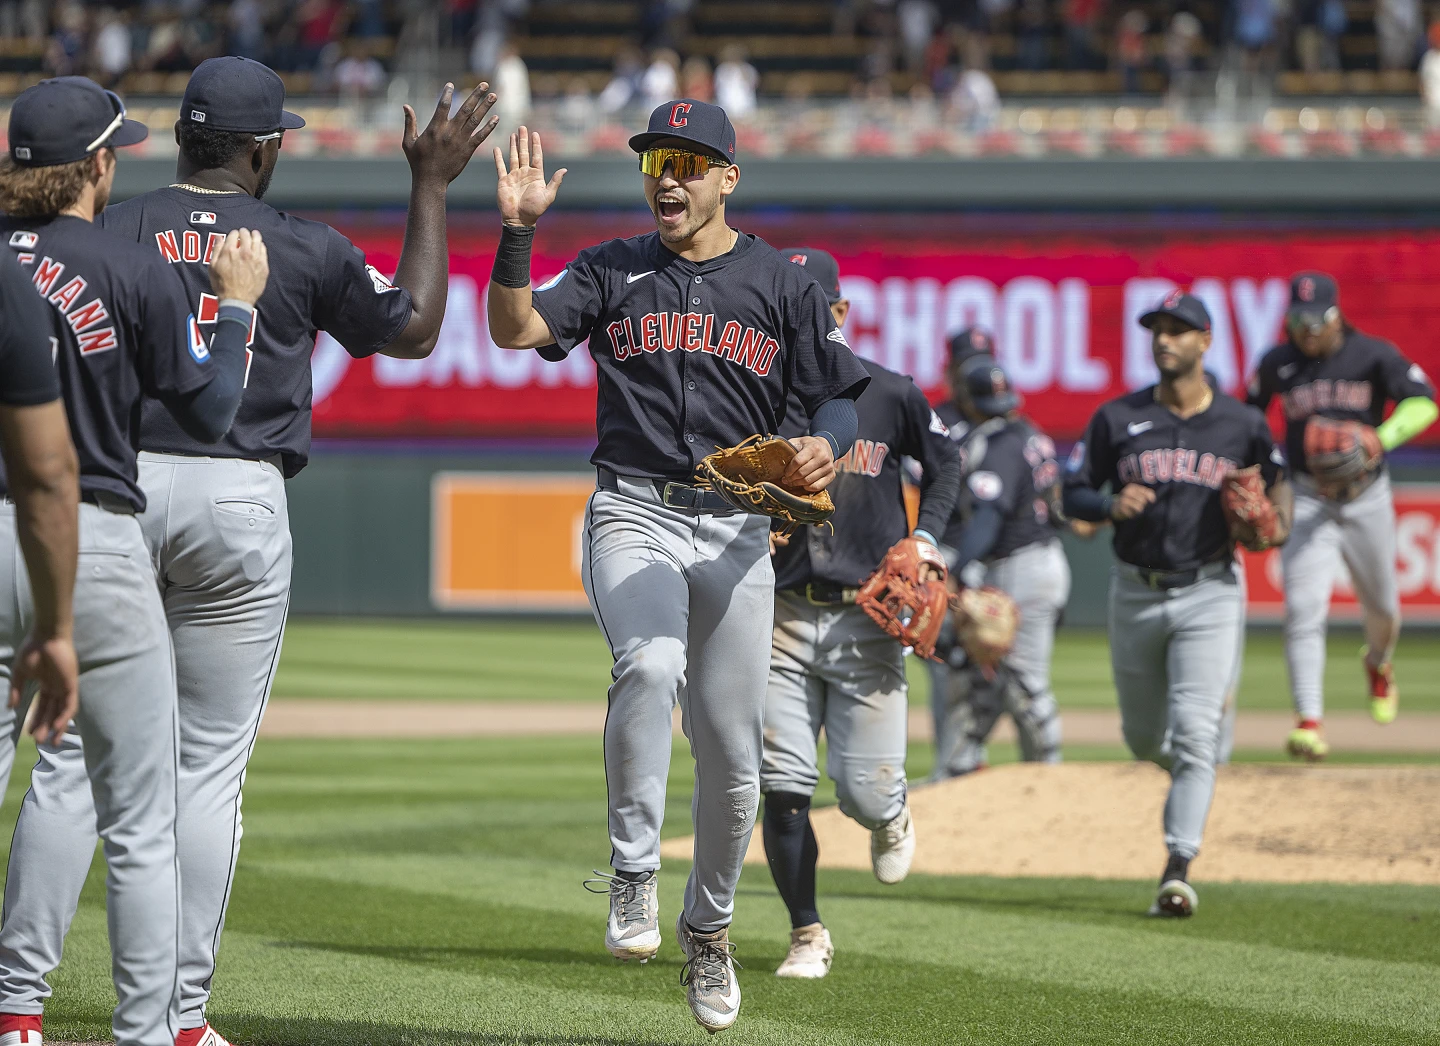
(1076, 458)
(1415, 373)
(1277, 455)
(381, 283)
(937, 426)
(198, 348)
(986, 485)
(553, 280)
(836, 336)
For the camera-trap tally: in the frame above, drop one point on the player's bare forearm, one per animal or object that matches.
(514, 323)
(436, 157)
(43, 475)
(1282, 496)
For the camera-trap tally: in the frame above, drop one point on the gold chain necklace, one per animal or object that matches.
(1200, 408)
(202, 189)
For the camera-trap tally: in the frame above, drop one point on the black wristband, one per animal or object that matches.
(512, 256)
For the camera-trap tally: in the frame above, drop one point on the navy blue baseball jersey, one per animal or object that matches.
(123, 329)
(691, 356)
(318, 281)
(895, 421)
(1008, 463)
(27, 360)
(1352, 384)
(1137, 439)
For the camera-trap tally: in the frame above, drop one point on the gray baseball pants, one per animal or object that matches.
(832, 666)
(1173, 654)
(1362, 532)
(122, 785)
(685, 601)
(1037, 577)
(217, 533)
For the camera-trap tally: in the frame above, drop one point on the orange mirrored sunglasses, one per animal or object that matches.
(682, 163)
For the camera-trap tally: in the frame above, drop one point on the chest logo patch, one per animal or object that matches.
(1137, 427)
(631, 277)
(986, 485)
(1287, 370)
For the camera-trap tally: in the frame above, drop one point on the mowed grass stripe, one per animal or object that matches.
(566, 660)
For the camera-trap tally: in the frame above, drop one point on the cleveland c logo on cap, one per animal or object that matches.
(997, 380)
(799, 259)
(677, 117)
(1173, 300)
(1306, 290)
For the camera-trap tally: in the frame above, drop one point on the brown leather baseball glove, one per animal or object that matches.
(904, 599)
(985, 623)
(747, 475)
(1341, 456)
(1254, 521)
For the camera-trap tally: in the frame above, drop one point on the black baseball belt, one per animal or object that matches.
(1165, 580)
(684, 496)
(824, 593)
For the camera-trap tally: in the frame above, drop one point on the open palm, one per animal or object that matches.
(523, 194)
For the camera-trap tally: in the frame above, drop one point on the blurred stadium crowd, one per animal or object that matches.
(879, 77)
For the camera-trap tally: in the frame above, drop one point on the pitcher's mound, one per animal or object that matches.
(1102, 820)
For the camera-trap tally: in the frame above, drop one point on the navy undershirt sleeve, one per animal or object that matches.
(207, 413)
(838, 422)
(981, 532)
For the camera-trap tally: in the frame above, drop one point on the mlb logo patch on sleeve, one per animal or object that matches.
(202, 217)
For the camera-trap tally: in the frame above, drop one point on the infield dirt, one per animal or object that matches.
(1102, 820)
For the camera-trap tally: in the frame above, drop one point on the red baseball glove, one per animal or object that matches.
(1341, 455)
(904, 599)
(1253, 520)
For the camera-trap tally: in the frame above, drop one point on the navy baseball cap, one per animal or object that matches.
(66, 119)
(237, 94)
(969, 343)
(819, 264)
(989, 388)
(1186, 308)
(692, 121)
(1312, 296)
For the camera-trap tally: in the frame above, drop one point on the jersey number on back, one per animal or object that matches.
(209, 311)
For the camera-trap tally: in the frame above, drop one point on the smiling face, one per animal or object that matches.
(684, 207)
(1177, 347)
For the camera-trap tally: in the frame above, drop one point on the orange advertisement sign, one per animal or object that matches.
(1417, 559)
(508, 540)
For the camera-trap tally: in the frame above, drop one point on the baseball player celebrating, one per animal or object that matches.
(830, 665)
(1189, 472)
(121, 329)
(699, 332)
(1004, 537)
(216, 525)
(1334, 383)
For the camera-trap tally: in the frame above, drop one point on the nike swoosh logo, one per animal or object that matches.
(632, 277)
(1286, 370)
(1137, 427)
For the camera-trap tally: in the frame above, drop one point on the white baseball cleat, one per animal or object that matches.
(711, 987)
(633, 929)
(1176, 900)
(810, 954)
(892, 848)
(20, 1029)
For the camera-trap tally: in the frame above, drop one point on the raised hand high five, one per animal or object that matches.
(523, 194)
(449, 141)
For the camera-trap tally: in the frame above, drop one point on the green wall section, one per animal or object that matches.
(361, 521)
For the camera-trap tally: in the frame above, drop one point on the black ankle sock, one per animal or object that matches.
(633, 877)
(1176, 868)
(791, 850)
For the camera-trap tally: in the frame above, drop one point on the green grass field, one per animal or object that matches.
(429, 893)
(410, 892)
(567, 661)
